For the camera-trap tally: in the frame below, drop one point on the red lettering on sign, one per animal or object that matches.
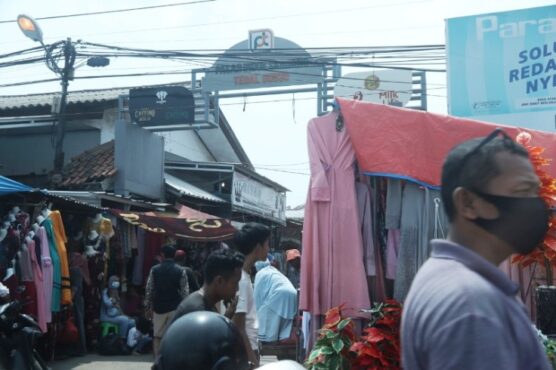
(246, 79)
(276, 77)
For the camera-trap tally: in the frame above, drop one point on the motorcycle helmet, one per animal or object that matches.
(202, 340)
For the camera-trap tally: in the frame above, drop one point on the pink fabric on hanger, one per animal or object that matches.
(39, 286)
(332, 264)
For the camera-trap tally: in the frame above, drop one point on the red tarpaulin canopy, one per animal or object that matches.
(411, 144)
(197, 229)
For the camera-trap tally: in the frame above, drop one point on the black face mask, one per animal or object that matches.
(522, 222)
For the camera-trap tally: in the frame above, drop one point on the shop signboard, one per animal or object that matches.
(503, 64)
(388, 86)
(262, 61)
(258, 198)
(165, 105)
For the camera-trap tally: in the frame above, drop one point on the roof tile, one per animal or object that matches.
(93, 165)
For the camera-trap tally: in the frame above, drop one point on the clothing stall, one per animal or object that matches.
(56, 254)
(374, 203)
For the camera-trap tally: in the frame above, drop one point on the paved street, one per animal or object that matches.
(97, 362)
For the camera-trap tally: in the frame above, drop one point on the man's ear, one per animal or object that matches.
(465, 203)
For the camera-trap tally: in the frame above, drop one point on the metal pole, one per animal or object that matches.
(66, 75)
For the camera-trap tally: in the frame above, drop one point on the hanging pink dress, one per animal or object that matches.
(47, 276)
(332, 263)
(39, 285)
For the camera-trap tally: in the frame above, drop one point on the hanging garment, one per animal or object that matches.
(332, 267)
(366, 227)
(140, 259)
(392, 253)
(47, 275)
(25, 266)
(77, 279)
(56, 266)
(423, 219)
(61, 240)
(393, 204)
(39, 285)
(153, 248)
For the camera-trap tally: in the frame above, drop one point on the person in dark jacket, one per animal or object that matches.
(191, 279)
(166, 287)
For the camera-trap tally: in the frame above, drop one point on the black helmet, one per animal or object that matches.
(202, 340)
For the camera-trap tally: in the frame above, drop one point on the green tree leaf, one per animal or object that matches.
(343, 324)
(338, 345)
(314, 354)
(327, 351)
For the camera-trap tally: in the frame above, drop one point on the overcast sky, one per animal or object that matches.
(272, 133)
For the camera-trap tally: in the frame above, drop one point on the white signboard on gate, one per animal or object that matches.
(389, 86)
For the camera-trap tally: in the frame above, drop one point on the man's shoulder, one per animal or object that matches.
(193, 302)
(448, 289)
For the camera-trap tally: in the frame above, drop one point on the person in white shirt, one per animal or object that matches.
(253, 242)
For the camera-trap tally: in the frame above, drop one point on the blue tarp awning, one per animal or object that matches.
(8, 186)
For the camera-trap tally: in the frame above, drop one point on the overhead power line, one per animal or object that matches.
(113, 11)
(273, 17)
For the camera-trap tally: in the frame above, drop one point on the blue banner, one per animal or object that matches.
(502, 63)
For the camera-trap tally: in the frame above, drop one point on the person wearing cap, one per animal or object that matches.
(191, 279)
(166, 287)
(293, 259)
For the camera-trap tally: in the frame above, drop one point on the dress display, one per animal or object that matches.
(56, 266)
(61, 240)
(332, 238)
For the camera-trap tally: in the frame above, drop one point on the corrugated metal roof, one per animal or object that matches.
(295, 214)
(83, 96)
(185, 188)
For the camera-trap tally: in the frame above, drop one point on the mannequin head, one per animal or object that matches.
(45, 212)
(35, 227)
(40, 219)
(97, 218)
(16, 210)
(90, 251)
(93, 235)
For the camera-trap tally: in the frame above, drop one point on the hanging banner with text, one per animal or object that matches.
(502, 63)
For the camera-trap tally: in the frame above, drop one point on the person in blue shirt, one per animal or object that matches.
(111, 311)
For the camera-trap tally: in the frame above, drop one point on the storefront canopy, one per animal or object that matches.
(196, 229)
(411, 144)
(8, 186)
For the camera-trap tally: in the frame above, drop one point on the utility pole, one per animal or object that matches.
(66, 75)
(59, 50)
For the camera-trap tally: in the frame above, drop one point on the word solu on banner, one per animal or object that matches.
(502, 63)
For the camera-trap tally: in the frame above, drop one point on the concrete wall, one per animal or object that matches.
(34, 153)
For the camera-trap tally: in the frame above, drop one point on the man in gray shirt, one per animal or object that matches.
(461, 311)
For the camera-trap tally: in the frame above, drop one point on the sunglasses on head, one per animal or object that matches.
(505, 137)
